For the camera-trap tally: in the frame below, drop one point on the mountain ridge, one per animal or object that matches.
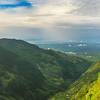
(18, 76)
(59, 70)
(49, 62)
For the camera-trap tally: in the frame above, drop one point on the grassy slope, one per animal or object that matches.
(89, 92)
(84, 88)
(55, 66)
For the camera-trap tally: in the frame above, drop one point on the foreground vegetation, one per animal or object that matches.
(86, 87)
(28, 72)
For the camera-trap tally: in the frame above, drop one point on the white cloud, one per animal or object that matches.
(87, 7)
(48, 14)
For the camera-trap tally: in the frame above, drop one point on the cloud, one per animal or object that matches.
(53, 18)
(87, 7)
(48, 14)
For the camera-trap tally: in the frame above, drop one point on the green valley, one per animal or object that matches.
(40, 74)
(49, 49)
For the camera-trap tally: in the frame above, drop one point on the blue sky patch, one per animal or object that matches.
(22, 3)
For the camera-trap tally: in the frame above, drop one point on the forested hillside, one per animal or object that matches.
(20, 80)
(55, 66)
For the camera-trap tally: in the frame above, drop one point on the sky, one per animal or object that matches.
(52, 20)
